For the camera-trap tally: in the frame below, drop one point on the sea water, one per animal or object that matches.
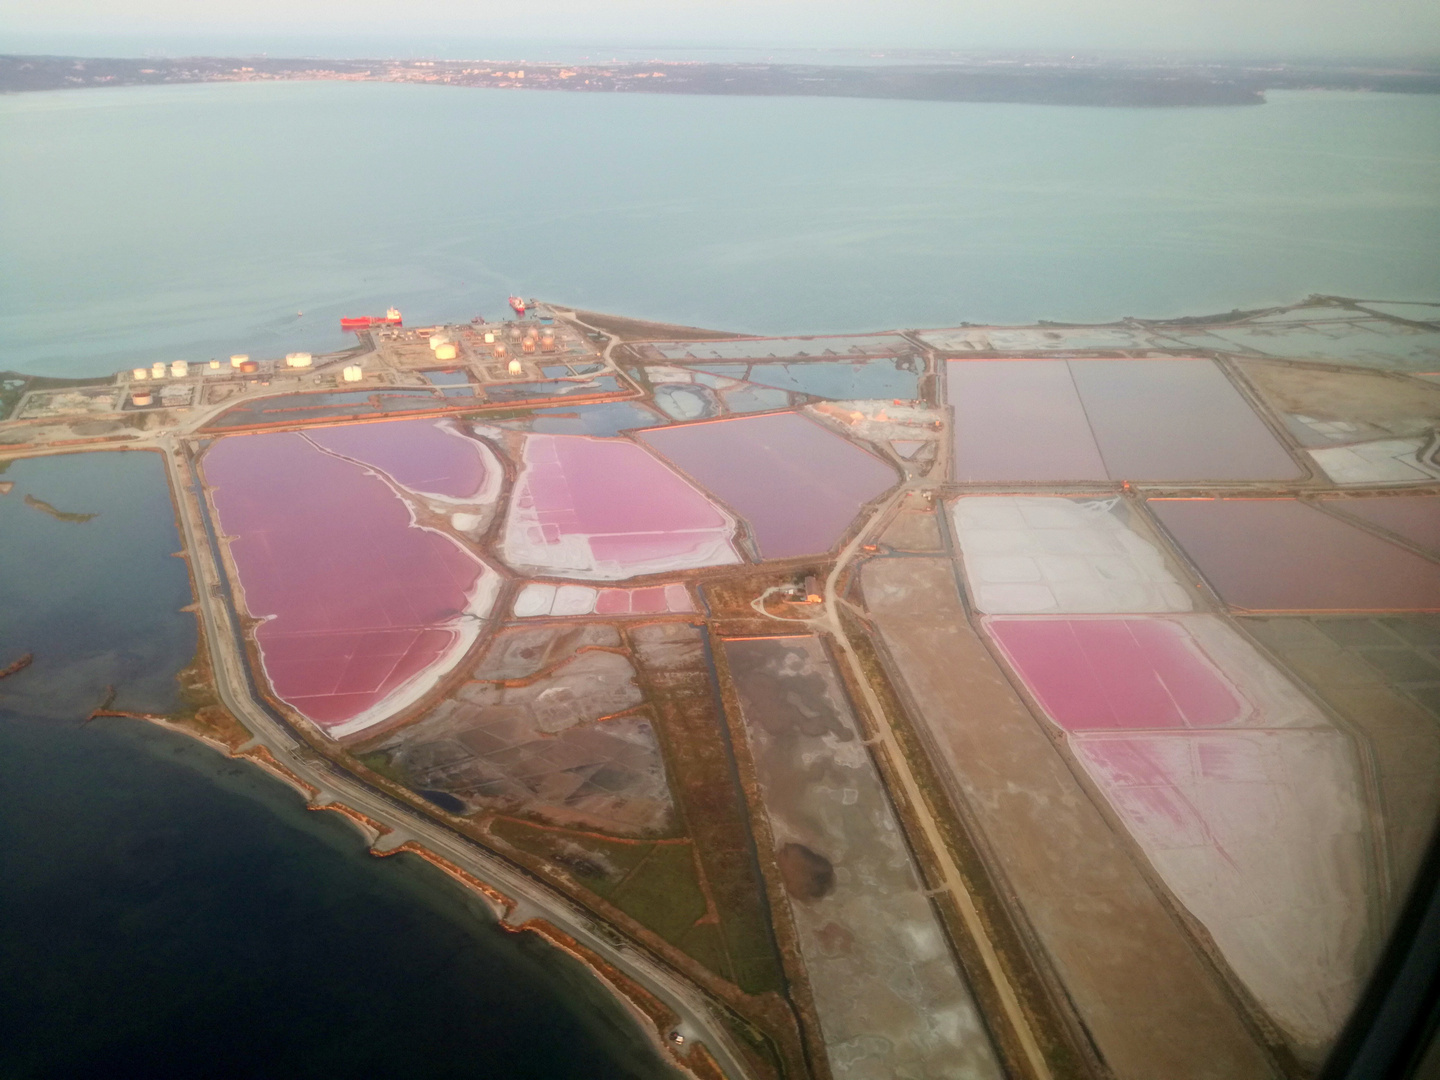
(184, 222)
(170, 912)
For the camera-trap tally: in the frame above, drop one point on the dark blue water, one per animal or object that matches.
(167, 912)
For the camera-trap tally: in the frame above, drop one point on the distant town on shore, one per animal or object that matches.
(1030, 80)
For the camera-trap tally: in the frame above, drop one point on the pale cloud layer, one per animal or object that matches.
(1281, 27)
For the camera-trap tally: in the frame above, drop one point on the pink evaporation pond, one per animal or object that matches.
(1171, 419)
(1415, 518)
(647, 601)
(632, 511)
(1284, 555)
(357, 601)
(1108, 674)
(418, 454)
(798, 484)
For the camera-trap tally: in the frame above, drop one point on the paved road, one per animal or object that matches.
(534, 900)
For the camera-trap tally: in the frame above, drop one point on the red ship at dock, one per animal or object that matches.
(365, 322)
(518, 305)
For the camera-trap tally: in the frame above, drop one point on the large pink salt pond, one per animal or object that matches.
(1117, 673)
(1415, 518)
(423, 455)
(1172, 419)
(1285, 555)
(798, 484)
(605, 509)
(362, 610)
(1245, 799)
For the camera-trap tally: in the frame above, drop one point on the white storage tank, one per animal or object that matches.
(141, 398)
(157, 369)
(214, 365)
(352, 373)
(297, 359)
(447, 351)
(238, 359)
(180, 368)
(516, 367)
(140, 373)
(437, 340)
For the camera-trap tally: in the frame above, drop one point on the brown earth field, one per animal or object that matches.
(914, 527)
(1381, 676)
(1153, 1005)
(1381, 404)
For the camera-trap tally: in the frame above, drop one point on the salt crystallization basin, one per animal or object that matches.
(606, 509)
(1244, 797)
(1067, 420)
(362, 610)
(797, 484)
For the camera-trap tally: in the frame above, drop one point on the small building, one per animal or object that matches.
(814, 590)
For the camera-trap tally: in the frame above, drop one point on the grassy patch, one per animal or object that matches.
(379, 762)
(663, 892)
(713, 808)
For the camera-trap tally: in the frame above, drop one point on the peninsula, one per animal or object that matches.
(855, 705)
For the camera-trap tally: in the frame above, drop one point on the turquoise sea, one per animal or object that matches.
(194, 221)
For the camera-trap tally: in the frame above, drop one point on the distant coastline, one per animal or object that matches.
(998, 81)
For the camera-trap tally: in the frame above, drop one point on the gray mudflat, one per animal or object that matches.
(891, 1000)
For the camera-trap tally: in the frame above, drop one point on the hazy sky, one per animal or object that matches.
(1281, 27)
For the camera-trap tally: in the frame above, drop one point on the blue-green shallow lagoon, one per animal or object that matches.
(168, 912)
(193, 221)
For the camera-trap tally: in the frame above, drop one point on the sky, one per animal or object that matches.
(1281, 28)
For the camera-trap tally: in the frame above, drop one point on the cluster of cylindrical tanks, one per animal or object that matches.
(444, 346)
(179, 369)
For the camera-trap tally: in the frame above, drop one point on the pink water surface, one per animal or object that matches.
(1097, 674)
(648, 601)
(1158, 419)
(1018, 420)
(798, 484)
(633, 511)
(418, 454)
(357, 601)
(1285, 555)
(1414, 517)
